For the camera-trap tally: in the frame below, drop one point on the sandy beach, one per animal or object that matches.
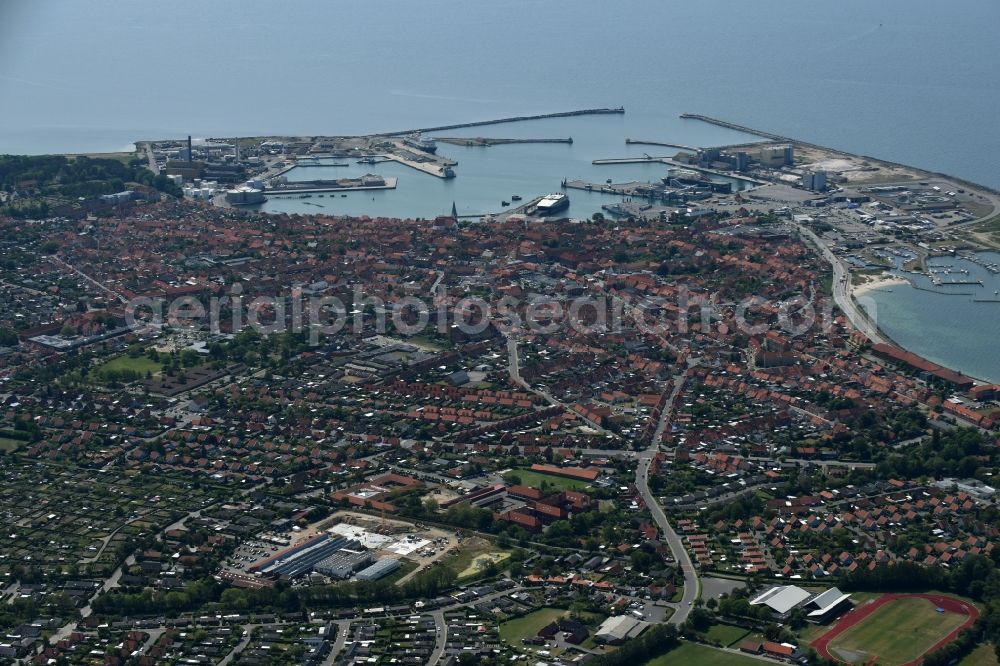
(877, 282)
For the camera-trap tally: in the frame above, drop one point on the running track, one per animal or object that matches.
(855, 616)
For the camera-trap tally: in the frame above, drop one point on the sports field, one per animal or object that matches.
(139, 364)
(896, 629)
(557, 483)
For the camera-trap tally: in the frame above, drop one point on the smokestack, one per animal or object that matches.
(190, 153)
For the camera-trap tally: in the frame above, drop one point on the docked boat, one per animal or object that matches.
(551, 203)
(684, 177)
(516, 197)
(420, 143)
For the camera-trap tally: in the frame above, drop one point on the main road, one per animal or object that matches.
(842, 289)
(674, 542)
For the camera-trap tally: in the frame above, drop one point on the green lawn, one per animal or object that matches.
(984, 655)
(10, 445)
(726, 634)
(896, 633)
(693, 654)
(557, 483)
(526, 626)
(140, 364)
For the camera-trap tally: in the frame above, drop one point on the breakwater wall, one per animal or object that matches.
(513, 119)
(786, 139)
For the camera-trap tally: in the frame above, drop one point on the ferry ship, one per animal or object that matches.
(420, 143)
(551, 203)
(684, 177)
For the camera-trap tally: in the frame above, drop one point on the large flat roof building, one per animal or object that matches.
(781, 599)
(826, 604)
(619, 628)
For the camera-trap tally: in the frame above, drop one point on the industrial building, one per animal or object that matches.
(380, 569)
(343, 563)
(814, 181)
(619, 629)
(301, 559)
(245, 195)
(974, 487)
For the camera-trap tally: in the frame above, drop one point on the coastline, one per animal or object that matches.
(886, 279)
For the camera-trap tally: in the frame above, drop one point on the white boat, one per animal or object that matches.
(551, 203)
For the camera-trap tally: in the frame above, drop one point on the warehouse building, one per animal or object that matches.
(343, 563)
(619, 629)
(301, 559)
(380, 569)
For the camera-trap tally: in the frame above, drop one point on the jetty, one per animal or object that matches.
(645, 159)
(513, 119)
(942, 293)
(316, 163)
(625, 189)
(679, 146)
(431, 168)
(316, 186)
(958, 282)
(523, 209)
(487, 142)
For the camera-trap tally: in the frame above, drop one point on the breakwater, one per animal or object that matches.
(680, 146)
(786, 139)
(513, 119)
(486, 143)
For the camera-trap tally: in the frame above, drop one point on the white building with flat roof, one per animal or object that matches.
(782, 598)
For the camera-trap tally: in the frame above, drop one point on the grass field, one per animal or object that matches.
(692, 654)
(140, 364)
(984, 655)
(481, 562)
(526, 626)
(10, 445)
(535, 480)
(461, 561)
(896, 633)
(726, 634)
